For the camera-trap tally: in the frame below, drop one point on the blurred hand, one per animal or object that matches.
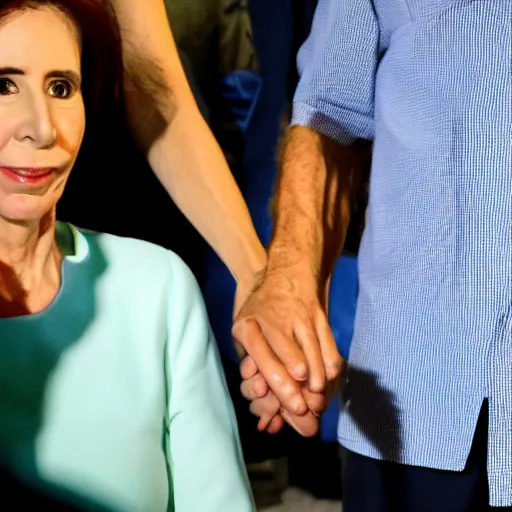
(284, 330)
(266, 406)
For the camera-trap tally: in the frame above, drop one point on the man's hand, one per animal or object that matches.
(283, 328)
(283, 325)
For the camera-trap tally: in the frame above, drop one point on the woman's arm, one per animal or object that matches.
(203, 447)
(181, 149)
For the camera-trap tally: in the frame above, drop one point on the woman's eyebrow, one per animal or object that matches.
(11, 71)
(68, 74)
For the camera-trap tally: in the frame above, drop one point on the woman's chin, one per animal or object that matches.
(25, 209)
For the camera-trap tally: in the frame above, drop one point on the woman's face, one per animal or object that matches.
(42, 117)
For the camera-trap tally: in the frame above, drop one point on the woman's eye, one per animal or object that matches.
(61, 89)
(7, 87)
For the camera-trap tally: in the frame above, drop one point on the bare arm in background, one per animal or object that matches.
(317, 184)
(180, 147)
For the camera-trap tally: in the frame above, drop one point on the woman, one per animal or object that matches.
(110, 384)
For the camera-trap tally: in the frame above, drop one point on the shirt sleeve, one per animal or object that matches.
(337, 66)
(203, 446)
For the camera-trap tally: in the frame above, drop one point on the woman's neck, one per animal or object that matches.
(29, 266)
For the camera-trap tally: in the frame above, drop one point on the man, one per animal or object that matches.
(427, 417)
(181, 150)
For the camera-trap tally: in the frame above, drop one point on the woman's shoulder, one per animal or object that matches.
(118, 246)
(138, 257)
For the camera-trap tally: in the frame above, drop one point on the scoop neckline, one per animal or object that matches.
(77, 253)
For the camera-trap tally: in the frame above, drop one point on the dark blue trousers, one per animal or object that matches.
(378, 486)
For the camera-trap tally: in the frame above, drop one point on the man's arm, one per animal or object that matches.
(333, 108)
(316, 189)
(317, 185)
(181, 149)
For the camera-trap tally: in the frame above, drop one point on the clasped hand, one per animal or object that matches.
(290, 362)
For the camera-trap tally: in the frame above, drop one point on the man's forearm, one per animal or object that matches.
(316, 186)
(181, 149)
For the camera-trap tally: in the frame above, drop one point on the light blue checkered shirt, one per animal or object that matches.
(430, 81)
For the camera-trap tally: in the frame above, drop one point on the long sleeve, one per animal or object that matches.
(337, 66)
(204, 453)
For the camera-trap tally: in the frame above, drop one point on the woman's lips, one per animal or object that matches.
(28, 175)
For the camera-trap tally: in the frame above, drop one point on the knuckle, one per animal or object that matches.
(317, 403)
(244, 372)
(244, 391)
(248, 368)
(253, 408)
(258, 389)
(297, 408)
(299, 370)
(243, 326)
(237, 334)
(319, 407)
(246, 334)
(252, 390)
(317, 386)
(333, 367)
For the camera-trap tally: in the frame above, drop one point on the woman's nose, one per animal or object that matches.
(36, 125)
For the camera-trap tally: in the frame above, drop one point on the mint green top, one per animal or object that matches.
(115, 391)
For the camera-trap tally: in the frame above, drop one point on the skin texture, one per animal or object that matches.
(43, 123)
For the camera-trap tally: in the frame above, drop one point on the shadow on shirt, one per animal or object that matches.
(373, 409)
